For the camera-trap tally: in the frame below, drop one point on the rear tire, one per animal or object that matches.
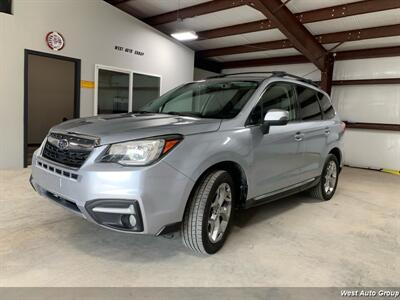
(326, 187)
(208, 218)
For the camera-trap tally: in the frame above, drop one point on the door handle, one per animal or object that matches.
(299, 136)
(327, 131)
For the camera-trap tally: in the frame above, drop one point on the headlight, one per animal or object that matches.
(141, 152)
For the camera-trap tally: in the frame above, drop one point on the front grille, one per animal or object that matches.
(73, 155)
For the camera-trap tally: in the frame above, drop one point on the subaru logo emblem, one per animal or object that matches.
(63, 144)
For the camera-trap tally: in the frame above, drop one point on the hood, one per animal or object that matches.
(124, 127)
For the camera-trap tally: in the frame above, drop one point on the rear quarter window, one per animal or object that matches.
(308, 103)
(326, 106)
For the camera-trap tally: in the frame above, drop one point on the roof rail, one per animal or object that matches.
(245, 73)
(271, 73)
(299, 78)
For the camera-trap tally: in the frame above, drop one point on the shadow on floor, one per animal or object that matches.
(266, 211)
(110, 245)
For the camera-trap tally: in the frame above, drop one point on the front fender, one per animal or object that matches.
(197, 153)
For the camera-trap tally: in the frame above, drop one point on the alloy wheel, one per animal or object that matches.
(330, 178)
(220, 213)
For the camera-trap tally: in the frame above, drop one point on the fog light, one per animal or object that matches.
(119, 214)
(128, 221)
(132, 220)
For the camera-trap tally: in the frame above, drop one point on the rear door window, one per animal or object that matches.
(308, 103)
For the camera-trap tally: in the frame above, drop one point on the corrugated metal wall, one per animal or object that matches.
(369, 104)
(361, 103)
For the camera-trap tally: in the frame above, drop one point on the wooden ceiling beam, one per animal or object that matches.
(298, 59)
(290, 26)
(329, 38)
(373, 126)
(322, 14)
(368, 53)
(262, 62)
(194, 11)
(367, 81)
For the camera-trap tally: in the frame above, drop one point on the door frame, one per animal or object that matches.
(77, 90)
(121, 70)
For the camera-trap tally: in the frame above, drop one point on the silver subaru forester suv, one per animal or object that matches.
(189, 159)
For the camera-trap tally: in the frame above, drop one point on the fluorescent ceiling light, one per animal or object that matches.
(185, 36)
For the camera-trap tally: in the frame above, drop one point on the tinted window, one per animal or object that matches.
(113, 92)
(308, 102)
(5, 6)
(326, 106)
(277, 96)
(145, 89)
(205, 99)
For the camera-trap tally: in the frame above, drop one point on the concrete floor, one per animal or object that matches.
(352, 240)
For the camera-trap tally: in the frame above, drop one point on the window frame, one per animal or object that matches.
(120, 70)
(296, 104)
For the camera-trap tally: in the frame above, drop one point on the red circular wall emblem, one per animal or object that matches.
(55, 41)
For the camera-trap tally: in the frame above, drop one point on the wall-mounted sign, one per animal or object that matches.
(85, 84)
(55, 41)
(129, 51)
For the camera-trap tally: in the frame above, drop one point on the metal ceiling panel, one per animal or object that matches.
(218, 19)
(297, 6)
(234, 40)
(217, 43)
(367, 44)
(265, 35)
(244, 14)
(149, 8)
(388, 17)
(257, 55)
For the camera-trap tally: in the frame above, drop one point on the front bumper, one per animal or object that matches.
(159, 192)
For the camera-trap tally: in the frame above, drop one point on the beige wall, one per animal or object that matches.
(91, 29)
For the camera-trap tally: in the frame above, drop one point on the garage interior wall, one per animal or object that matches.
(361, 103)
(91, 30)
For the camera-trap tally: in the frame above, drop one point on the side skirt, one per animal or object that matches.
(260, 200)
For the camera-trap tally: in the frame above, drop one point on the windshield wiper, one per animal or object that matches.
(183, 113)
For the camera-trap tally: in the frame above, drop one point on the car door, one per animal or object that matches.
(313, 130)
(276, 155)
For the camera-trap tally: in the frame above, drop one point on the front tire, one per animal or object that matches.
(326, 187)
(209, 217)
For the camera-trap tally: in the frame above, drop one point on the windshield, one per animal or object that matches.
(222, 100)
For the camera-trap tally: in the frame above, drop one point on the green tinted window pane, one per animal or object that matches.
(145, 89)
(113, 92)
